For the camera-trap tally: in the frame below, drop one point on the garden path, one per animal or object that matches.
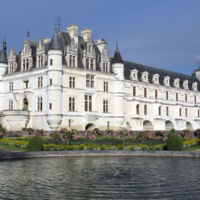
(5, 150)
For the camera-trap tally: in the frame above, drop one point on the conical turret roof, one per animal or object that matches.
(55, 43)
(117, 57)
(3, 58)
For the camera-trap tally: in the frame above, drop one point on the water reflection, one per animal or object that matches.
(100, 178)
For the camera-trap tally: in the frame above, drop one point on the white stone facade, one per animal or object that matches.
(79, 86)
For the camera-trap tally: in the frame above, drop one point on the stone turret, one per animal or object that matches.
(54, 87)
(3, 60)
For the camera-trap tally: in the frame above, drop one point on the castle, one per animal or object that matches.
(70, 81)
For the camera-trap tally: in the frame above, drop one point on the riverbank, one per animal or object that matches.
(44, 154)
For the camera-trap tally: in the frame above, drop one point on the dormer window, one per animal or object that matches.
(72, 61)
(194, 86)
(134, 74)
(90, 64)
(11, 68)
(185, 84)
(166, 81)
(176, 82)
(144, 77)
(105, 67)
(155, 79)
(40, 61)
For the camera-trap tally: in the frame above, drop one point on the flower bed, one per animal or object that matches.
(14, 143)
(21, 142)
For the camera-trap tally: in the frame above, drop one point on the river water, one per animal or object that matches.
(100, 178)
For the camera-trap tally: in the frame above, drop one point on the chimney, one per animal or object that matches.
(72, 30)
(197, 73)
(86, 34)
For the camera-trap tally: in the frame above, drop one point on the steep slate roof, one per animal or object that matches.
(55, 43)
(3, 57)
(128, 66)
(117, 57)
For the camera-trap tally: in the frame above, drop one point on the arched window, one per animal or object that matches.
(138, 109)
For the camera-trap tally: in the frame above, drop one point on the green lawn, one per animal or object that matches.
(14, 148)
(192, 148)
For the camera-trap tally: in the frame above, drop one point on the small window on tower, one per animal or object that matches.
(50, 81)
(50, 106)
(51, 62)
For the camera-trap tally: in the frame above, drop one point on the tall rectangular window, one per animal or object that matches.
(167, 95)
(159, 110)
(195, 99)
(92, 64)
(108, 125)
(27, 64)
(180, 112)
(145, 109)
(156, 94)
(185, 97)
(176, 96)
(87, 64)
(145, 92)
(40, 104)
(26, 84)
(90, 81)
(50, 82)
(70, 60)
(10, 86)
(24, 65)
(138, 109)
(71, 104)
(74, 61)
(88, 102)
(167, 111)
(40, 82)
(104, 67)
(105, 86)
(10, 106)
(11, 68)
(51, 62)
(72, 82)
(134, 91)
(50, 106)
(186, 113)
(105, 106)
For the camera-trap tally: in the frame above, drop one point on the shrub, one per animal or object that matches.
(99, 133)
(35, 144)
(174, 143)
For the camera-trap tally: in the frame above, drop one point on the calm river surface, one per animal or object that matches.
(100, 178)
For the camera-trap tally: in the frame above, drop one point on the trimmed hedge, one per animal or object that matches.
(174, 143)
(35, 144)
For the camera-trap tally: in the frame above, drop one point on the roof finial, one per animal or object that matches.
(117, 44)
(56, 26)
(2, 43)
(5, 43)
(58, 23)
(28, 33)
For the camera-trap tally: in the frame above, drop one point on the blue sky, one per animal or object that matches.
(160, 33)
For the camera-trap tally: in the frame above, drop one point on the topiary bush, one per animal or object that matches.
(35, 144)
(174, 143)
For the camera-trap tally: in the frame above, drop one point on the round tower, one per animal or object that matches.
(3, 60)
(118, 69)
(54, 83)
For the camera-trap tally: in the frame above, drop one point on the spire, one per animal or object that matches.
(27, 33)
(58, 23)
(3, 57)
(117, 57)
(56, 26)
(55, 43)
